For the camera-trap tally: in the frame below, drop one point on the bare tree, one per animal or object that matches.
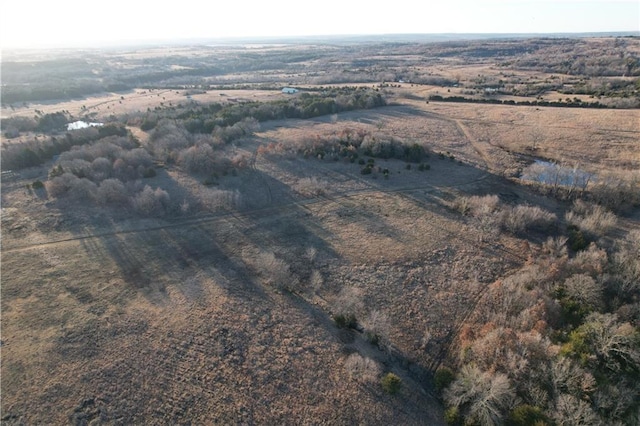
(617, 346)
(111, 192)
(377, 328)
(484, 398)
(585, 290)
(151, 202)
(571, 411)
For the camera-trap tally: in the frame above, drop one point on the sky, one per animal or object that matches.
(71, 23)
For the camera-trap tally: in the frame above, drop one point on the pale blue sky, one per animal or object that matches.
(30, 23)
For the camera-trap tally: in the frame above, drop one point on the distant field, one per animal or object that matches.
(140, 100)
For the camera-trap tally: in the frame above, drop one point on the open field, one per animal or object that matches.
(104, 105)
(226, 298)
(157, 318)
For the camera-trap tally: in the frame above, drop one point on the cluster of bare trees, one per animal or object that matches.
(613, 191)
(349, 144)
(557, 342)
(490, 215)
(108, 172)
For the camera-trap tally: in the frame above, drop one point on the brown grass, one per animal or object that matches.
(131, 320)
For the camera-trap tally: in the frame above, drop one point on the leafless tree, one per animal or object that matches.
(571, 411)
(483, 397)
(111, 192)
(585, 290)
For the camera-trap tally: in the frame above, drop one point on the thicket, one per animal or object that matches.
(108, 172)
(492, 216)
(206, 119)
(351, 145)
(557, 342)
(40, 150)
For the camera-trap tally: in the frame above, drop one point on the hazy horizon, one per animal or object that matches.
(70, 23)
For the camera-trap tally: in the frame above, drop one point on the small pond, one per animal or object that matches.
(550, 173)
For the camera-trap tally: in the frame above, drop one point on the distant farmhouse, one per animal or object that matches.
(289, 90)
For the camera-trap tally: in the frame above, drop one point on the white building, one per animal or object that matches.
(289, 90)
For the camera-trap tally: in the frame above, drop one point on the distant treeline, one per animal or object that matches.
(571, 103)
(205, 119)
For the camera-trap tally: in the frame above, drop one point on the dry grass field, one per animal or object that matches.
(107, 104)
(116, 319)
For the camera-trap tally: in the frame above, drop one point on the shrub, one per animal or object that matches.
(111, 191)
(311, 187)
(414, 153)
(577, 240)
(391, 383)
(592, 219)
(275, 271)
(617, 193)
(315, 281)
(151, 202)
(556, 248)
(346, 305)
(477, 206)
(377, 328)
(345, 320)
(361, 368)
(452, 416)
(218, 199)
(37, 184)
(592, 261)
(522, 218)
(443, 378)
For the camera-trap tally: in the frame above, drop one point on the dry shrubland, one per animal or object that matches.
(492, 215)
